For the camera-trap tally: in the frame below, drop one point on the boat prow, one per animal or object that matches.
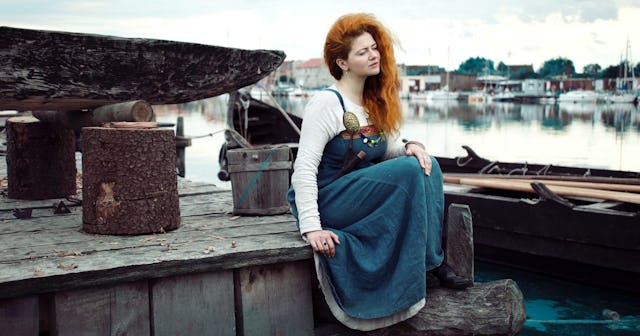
(47, 70)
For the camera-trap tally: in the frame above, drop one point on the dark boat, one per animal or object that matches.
(257, 122)
(474, 164)
(587, 239)
(63, 71)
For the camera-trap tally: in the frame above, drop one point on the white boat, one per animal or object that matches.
(443, 94)
(578, 96)
(504, 96)
(625, 85)
(621, 98)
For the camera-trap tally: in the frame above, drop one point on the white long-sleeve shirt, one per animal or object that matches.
(322, 121)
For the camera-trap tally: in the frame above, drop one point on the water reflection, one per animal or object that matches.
(590, 135)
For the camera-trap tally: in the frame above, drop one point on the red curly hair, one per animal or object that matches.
(381, 98)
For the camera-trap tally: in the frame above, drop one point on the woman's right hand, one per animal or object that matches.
(323, 241)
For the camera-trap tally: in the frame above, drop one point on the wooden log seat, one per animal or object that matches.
(129, 180)
(41, 162)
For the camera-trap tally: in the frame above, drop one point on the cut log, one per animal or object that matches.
(129, 181)
(41, 162)
(60, 71)
(137, 110)
(491, 308)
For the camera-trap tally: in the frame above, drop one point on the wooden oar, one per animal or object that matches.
(594, 179)
(560, 190)
(558, 182)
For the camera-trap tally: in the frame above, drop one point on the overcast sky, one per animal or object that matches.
(442, 32)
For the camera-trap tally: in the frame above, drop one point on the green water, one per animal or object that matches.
(557, 307)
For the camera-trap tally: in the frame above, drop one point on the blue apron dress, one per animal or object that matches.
(388, 216)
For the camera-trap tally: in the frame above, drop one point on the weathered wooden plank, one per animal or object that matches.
(196, 229)
(20, 316)
(195, 304)
(116, 310)
(112, 266)
(275, 299)
(45, 70)
(459, 240)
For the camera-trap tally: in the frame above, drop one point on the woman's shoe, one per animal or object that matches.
(449, 279)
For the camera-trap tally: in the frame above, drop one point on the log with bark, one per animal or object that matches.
(61, 71)
(132, 111)
(129, 180)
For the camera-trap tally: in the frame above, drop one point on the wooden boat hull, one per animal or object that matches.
(45, 70)
(473, 163)
(591, 241)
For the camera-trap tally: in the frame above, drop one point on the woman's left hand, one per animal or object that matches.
(422, 156)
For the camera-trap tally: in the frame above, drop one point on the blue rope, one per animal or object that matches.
(255, 178)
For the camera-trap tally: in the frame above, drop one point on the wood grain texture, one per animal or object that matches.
(122, 309)
(47, 70)
(459, 240)
(276, 299)
(260, 180)
(20, 316)
(195, 304)
(32, 250)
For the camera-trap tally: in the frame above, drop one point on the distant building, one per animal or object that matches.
(312, 74)
(414, 79)
(534, 86)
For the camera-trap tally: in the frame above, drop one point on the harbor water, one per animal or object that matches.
(587, 135)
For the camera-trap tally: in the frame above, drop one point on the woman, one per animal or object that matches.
(376, 230)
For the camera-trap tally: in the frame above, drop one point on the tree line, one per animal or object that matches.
(552, 68)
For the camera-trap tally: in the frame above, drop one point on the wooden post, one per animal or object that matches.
(459, 240)
(137, 110)
(129, 180)
(41, 161)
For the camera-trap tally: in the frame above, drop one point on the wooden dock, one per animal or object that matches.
(242, 273)
(217, 274)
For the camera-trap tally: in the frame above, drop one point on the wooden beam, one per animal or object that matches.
(137, 110)
(46, 70)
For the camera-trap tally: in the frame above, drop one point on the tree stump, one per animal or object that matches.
(129, 180)
(41, 160)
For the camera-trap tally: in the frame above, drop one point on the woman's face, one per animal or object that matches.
(364, 57)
